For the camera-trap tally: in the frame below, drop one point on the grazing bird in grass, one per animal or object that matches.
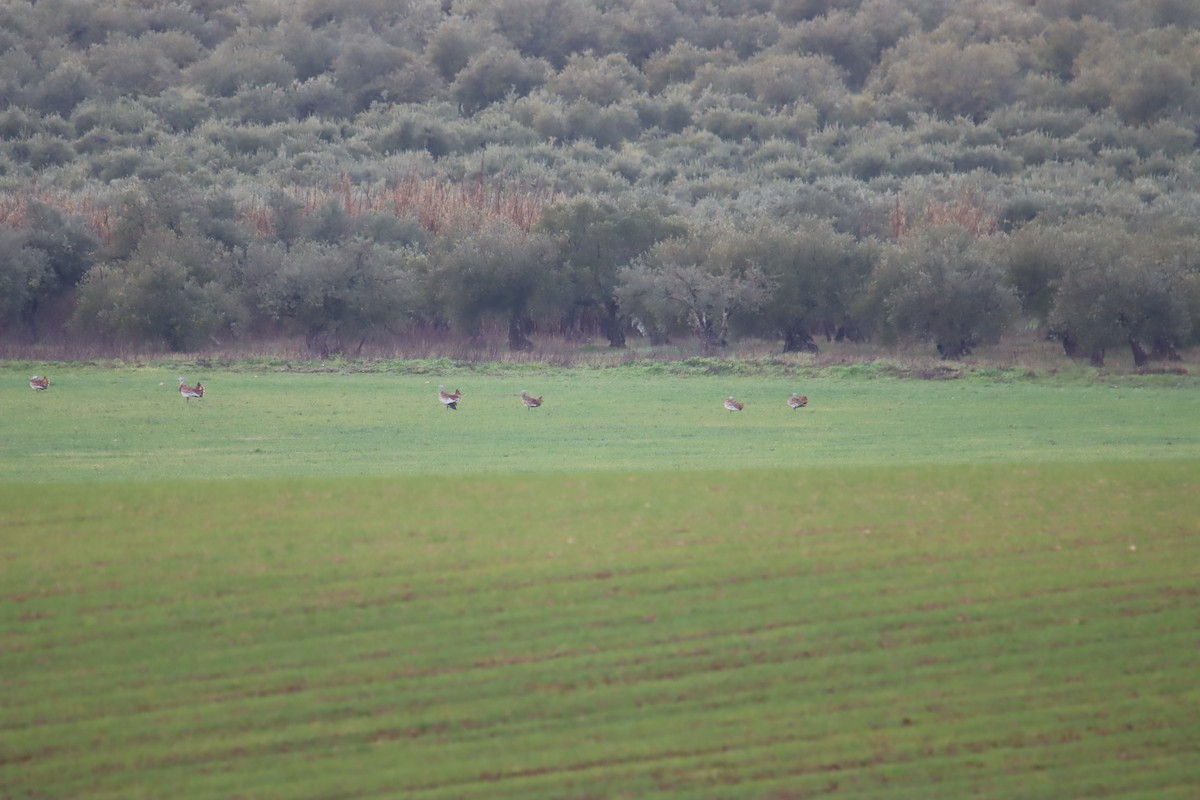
(797, 400)
(39, 384)
(530, 402)
(450, 401)
(189, 392)
(734, 405)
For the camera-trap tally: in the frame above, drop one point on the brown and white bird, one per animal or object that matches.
(797, 400)
(450, 401)
(530, 402)
(39, 384)
(189, 392)
(734, 405)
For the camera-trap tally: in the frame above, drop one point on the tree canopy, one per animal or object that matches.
(170, 174)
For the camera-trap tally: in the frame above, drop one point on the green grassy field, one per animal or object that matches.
(131, 424)
(979, 588)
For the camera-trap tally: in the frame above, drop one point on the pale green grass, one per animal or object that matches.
(957, 631)
(121, 424)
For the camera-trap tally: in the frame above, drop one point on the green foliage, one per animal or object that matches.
(953, 80)
(24, 271)
(1119, 288)
(856, 39)
(67, 242)
(1145, 81)
(600, 81)
(1036, 262)
(598, 238)
(495, 268)
(335, 296)
(608, 126)
(696, 284)
(451, 46)
(370, 70)
(816, 275)
(761, 113)
(234, 65)
(943, 285)
(492, 75)
(173, 290)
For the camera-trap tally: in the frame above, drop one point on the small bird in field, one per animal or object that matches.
(189, 392)
(450, 401)
(797, 400)
(530, 402)
(39, 384)
(734, 405)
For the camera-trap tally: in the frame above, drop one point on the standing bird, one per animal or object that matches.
(189, 392)
(530, 402)
(450, 401)
(734, 405)
(798, 401)
(39, 384)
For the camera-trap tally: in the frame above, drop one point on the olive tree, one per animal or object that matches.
(492, 75)
(493, 268)
(942, 284)
(815, 272)
(1119, 288)
(23, 272)
(173, 290)
(951, 80)
(335, 295)
(1035, 267)
(596, 238)
(689, 284)
(46, 259)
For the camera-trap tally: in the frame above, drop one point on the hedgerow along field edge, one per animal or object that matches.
(131, 424)
(958, 630)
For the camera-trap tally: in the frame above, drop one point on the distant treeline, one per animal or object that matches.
(174, 174)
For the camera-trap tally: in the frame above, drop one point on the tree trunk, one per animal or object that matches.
(517, 341)
(953, 351)
(1070, 346)
(1072, 349)
(710, 338)
(797, 339)
(29, 314)
(1140, 356)
(1162, 349)
(610, 323)
(321, 342)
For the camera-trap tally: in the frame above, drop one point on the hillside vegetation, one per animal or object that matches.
(356, 173)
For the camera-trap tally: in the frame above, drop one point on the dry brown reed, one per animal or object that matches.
(432, 202)
(968, 211)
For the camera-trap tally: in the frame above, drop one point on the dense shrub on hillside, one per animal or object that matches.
(246, 126)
